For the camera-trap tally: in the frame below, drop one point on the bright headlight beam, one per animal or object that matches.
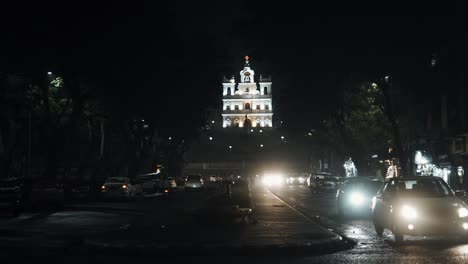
(462, 212)
(408, 212)
(356, 198)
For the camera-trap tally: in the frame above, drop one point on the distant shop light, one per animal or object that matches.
(375, 156)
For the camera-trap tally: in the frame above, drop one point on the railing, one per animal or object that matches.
(248, 111)
(248, 96)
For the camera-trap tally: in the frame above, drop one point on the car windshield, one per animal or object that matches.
(116, 180)
(424, 189)
(193, 178)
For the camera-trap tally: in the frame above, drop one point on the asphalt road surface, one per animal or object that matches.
(155, 219)
(370, 248)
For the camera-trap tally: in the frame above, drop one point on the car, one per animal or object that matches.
(119, 187)
(423, 205)
(11, 195)
(44, 193)
(296, 179)
(324, 183)
(193, 182)
(147, 183)
(355, 195)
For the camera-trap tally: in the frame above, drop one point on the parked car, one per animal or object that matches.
(11, 195)
(193, 182)
(419, 206)
(119, 187)
(355, 195)
(44, 193)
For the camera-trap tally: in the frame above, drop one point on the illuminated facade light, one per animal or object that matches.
(170, 138)
(251, 98)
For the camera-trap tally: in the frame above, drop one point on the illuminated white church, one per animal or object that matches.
(247, 103)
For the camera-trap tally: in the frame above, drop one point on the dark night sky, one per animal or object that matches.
(143, 57)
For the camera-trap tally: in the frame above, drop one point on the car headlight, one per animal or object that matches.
(408, 212)
(462, 212)
(356, 198)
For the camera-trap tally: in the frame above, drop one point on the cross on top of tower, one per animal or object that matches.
(247, 58)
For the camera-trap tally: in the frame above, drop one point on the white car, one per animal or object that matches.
(193, 182)
(118, 187)
(419, 206)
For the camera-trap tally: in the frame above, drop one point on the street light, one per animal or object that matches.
(211, 138)
(282, 137)
(230, 147)
(49, 73)
(261, 145)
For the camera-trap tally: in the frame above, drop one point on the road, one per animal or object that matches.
(370, 248)
(190, 219)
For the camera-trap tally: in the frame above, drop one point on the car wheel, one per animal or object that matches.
(398, 237)
(378, 229)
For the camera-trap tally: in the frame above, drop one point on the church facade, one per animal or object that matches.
(247, 103)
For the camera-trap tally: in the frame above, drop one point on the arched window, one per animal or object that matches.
(236, 107)
(228, 107)
(236, 123)
(247, 106)
(265, 90)
(258, 122)
(258, 107)
(267, 107)
(229, 91)
(247, 89)
(247, 78)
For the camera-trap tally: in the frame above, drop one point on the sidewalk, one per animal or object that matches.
(280, 229)
(281, 226)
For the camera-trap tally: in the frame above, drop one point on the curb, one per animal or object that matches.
(339, 240)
